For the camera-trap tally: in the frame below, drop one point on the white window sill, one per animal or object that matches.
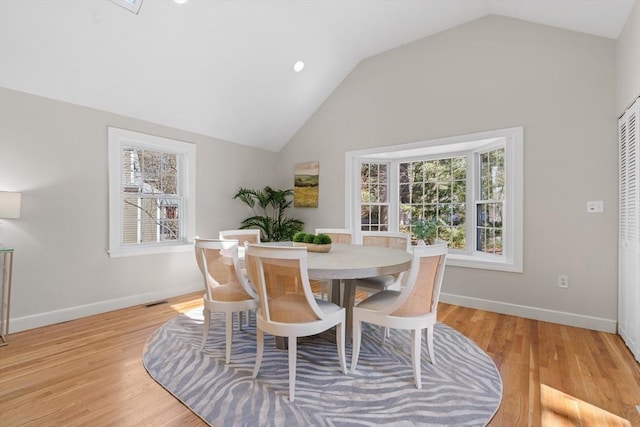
(150, 250)
(469, 261)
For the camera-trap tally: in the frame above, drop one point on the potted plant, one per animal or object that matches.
(425, 231)
(313, 242)
(298, 237)
(270, 217)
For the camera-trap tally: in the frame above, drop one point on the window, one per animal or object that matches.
(374, 203)
(151, 193)
(434, 190)
(489, 206)
(468, 187)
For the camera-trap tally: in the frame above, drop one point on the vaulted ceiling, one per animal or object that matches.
(223, 68)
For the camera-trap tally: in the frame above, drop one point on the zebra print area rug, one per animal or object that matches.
(464, 388)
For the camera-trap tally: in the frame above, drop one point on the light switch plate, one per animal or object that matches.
(595, 206)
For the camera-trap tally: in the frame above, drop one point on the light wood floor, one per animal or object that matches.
(88, 372)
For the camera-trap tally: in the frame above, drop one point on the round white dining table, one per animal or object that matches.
(345, 262)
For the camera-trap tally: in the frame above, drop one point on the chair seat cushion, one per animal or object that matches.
(379, 300)
(378, 283)
(383, 299)
(327, 307)
(230, 292)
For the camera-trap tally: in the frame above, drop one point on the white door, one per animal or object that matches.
(629, 230)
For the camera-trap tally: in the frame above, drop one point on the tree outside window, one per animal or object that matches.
(434, 191)
(374, 203)
(152, 203)
(490, 206)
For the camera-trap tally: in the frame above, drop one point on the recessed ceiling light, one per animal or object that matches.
(298, 66)
(180, 1)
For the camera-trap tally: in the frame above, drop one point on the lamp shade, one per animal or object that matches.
(10, 205)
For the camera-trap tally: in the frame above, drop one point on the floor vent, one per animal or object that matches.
(151, 304)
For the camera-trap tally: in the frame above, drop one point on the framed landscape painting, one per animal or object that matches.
(305, 189)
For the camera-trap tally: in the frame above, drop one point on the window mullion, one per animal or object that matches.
(393, 204)
(473, 193)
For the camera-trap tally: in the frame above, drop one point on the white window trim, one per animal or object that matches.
(513, 232)
(117, 140)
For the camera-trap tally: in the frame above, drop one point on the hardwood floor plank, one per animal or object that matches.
(534, 402)
(89, 371)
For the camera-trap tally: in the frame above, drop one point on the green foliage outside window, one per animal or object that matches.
(433, 195)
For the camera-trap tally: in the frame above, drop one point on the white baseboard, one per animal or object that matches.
(536, 313)
(18, 324)
(57, 316)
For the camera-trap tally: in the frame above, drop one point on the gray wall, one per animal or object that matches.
(56, 155)
(494, 73)
(566, 89)
(628, 61)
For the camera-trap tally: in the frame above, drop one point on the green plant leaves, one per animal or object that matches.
(269, 215)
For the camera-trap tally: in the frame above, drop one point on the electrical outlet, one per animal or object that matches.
(563, 281)
(595, 206)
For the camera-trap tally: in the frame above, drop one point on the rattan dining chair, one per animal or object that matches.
(415, 307)
(251, 235)
(226, 289)
(387, 239)
(338, 235)
(287, 306)
(245, 235)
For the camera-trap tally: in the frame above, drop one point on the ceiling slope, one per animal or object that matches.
(223, 68)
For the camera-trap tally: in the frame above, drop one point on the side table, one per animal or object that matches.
(6, 255)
